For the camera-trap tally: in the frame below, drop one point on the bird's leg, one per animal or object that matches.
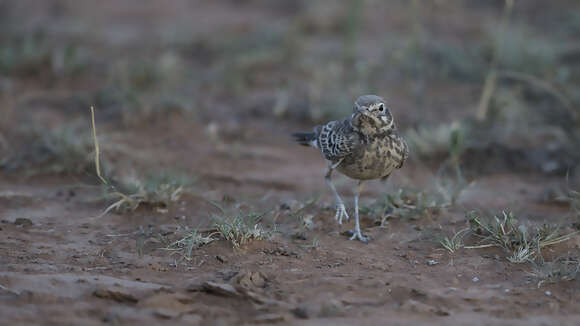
(356, 232)
(340, 208)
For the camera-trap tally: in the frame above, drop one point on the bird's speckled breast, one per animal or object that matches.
(374, 159)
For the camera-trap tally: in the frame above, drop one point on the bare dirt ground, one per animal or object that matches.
(64, 263)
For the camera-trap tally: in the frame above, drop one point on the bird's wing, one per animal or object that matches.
(336, 139)
(400, 150)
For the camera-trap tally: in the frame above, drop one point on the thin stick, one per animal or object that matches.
(490, 80)
(481, 246)
(97, 151)
(486, 94)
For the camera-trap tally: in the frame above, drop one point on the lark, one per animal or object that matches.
(364, 147)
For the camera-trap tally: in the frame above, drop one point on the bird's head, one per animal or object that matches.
(372, 116)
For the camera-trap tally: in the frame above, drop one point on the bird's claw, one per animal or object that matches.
(356, 234)
(340, 213)
(361, 238)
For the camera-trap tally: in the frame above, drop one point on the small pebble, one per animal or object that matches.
(23, 222)
(548, 293)
(432, 262)
(475, 279)
(221, 259)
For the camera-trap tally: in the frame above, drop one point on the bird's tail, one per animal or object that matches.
(305, 138)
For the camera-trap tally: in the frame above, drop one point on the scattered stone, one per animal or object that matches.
(441, 312)
(420, 307)
(269, 318)
(332, 308)
(166, 313)
(301, 312)
(24, 222)
(548, 293)
(222, 289)
(195, 286)
(112, 318)
(166, 230)
(227, 274)
(281, 251)
(299, 235)
(284, 207)
(251, 280)
(177, 302)
(432, 262)
(256, 297)
(221, 259)
(117, 296)
(475, 279)
(292, 205)
(418, 293)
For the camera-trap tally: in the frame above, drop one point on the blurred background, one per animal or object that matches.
(493, 84)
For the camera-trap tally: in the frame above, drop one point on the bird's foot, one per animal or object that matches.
(356, 234)
(340, 213)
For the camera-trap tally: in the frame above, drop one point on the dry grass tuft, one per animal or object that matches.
(560, 269)
(155, 190)
(520, 244)
(455, 242)
(191, 240)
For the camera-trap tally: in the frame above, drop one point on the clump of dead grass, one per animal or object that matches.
(560, 269)
(192, 239)
(239, 228)
(454, 243)
(232, 225)
(520, 244)
(154, 190)
(66, 149)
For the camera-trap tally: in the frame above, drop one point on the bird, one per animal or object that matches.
(364, 147)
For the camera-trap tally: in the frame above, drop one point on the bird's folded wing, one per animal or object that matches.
(401, 151)
(336, 139)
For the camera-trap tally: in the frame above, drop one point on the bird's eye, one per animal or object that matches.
(381, 107)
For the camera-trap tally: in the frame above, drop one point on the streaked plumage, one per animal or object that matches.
(364, 147)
